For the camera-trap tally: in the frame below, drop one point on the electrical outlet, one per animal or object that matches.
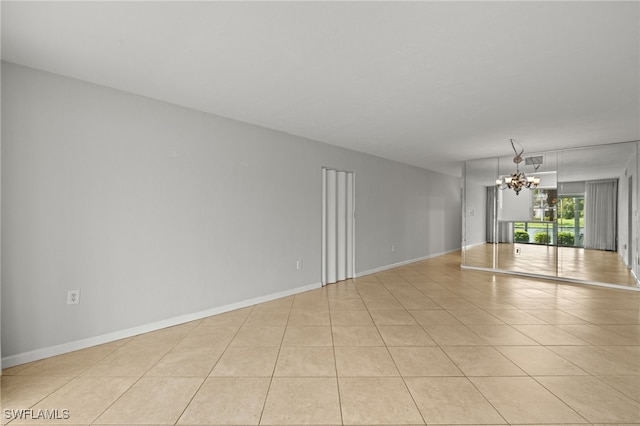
(299, 264)
(73, 297)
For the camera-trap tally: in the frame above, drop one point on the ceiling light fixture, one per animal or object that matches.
(517, 180)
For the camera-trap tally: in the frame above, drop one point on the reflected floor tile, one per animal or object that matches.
(596, 360)
(482, 361)
(369, 401)
(628, 385)
(302, 401)
(474, 316)
(515, 316)
(247, 362)
(227, 401)
(434, 317)
(540, 361)
(306, 362)
(593, 399)
(451, 400)
(454, 335)
(521, 400)
(502, 335)
(549, 335)
(152, 400)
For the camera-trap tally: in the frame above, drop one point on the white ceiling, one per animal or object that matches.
(425, 83)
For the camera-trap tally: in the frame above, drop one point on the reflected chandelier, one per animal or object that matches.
(517, 180)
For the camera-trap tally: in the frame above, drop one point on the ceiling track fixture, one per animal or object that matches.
(517, 180)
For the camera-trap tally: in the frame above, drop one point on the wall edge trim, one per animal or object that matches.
(46, 352)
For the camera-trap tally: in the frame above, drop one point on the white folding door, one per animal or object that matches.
(337, 226)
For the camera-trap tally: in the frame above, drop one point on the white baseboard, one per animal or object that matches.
(404, 262)
(37, 354)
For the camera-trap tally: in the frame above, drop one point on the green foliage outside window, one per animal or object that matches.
(565, 238)
(542, 238)
(521, 237)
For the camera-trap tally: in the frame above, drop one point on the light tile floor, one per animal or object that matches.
(426, 343)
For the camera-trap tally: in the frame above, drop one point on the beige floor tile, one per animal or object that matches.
(549, 335)
(85, 398)
(152, 400)
(627, 355)
(267, 318)
(418, 302)
(127, 360)
(454, 335)
(434, 317)
(392, 317)
(628, 385)
(423, 361)
(451, 400)
(515, 316)
(593, 399)
(502, 335)
(312, 335)
(360, 361)
(209, 336)
(249, 361)
(187, 361)
(21, 392)
(227, 401)
(351, 318)
(69, 364)
(314, 303)
(302, 401)
(300, 361)
(521, 400)
(372, 401)
(309, 318)
(596, 335)
(347, 305)
(553, 316)
(382, 304)
(457, 302)
(405, 335)
(356, 335)
(474, 316)
(540, 361)
(482, 361)
(258, 336)
(595, 360)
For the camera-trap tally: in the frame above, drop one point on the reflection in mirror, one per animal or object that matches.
(578, 224)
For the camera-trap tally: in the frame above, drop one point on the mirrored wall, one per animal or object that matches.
(579, 223)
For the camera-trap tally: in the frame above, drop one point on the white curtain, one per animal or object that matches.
(600, 214)
(337, 226)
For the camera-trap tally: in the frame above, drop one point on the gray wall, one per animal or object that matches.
(155, 211)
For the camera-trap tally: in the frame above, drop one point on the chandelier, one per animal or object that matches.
(517, 180)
